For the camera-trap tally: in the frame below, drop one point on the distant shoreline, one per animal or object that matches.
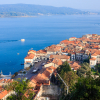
(17, 16)
(44, 15)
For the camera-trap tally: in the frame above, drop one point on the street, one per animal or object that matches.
(29, 74)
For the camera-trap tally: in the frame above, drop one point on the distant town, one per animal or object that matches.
(45, 69)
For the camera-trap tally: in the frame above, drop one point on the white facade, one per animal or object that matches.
(72, 57)
(92, 63)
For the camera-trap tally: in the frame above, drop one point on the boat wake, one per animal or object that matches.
(5, 41)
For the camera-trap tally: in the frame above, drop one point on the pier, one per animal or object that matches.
(5, 76)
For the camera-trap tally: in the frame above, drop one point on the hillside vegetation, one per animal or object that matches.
(9, 10)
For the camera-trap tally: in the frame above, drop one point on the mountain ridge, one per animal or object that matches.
(14, 10)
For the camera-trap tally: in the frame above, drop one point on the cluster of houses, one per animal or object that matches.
(3, 92)
(74, 51)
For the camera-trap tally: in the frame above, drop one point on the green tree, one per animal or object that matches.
(84, 69)
(70, 78)
(97, 73)
(12, 97)
(97, 67)
(86, 89)
(65, 67)
(20, 87)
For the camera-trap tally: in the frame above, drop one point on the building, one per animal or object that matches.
(72, 38)
(75, 65)
(55, 63)
(43, 77)
(4, 93)
(48, 92)
(62, 57)
(4, 82)
(32, 51)
(41, 54)
(73, 56)
(29, 60)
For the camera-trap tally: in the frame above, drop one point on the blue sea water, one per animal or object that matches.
(39, 32)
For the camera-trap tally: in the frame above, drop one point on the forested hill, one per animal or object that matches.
(9, 10)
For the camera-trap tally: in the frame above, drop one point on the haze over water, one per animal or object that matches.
(39, 32)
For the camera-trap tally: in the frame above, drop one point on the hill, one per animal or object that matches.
(12, 10)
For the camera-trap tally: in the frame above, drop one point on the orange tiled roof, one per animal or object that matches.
(32, 51)
(57, 61)
(74, 64)
(41, 51)
(66, 41)
(94, 54)
(6, 80)
(93, 58)
(3, 94)
(43, 76)
(30, 56)
(60, 56)
(73, 37)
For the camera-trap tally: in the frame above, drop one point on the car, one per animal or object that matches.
(35, 70)
(39, 59)
(36, 61)
(19, 74)
(43, 64)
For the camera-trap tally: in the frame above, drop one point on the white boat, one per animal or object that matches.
(23, 40)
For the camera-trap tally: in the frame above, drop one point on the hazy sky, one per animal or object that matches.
(80, 4)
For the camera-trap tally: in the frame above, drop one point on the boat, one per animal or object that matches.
(22, 40)
(17, 53)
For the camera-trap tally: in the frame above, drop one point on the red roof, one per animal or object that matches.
(30, 56)
(60, 56)
(94, 54)
(3, 94)
(41, 51)
(66, 41)
(73, 37)
(32, 51)
(57, 61)
(43, 76)
(93, 58)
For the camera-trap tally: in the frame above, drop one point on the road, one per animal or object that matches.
(29, 74)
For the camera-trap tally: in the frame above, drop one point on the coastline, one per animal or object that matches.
(17, 16)
(46, 15)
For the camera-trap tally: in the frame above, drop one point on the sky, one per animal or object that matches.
(78, 4)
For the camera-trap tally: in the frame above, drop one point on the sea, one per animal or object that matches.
(39, 32)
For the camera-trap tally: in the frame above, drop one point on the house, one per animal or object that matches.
(29, 60)
(81, 56)
(92, 62)
(41, 54)
(66, 42)
(32, 51)
(73, 56)
(4, 82)
(75, 65)
(48, 92)
(62, 57)
(95, 58)
(4, 93)
(87, 35)
(53, 50)
(72, 38)
(55, 63)
(43, 77)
